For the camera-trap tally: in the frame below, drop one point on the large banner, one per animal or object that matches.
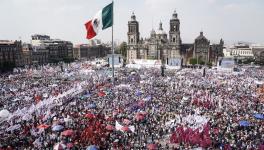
(175, 62)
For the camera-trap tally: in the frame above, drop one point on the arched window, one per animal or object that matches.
(132, 40)
(174, 39)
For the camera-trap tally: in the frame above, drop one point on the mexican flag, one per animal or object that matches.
(102, 20)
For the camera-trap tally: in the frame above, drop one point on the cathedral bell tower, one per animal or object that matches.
(133, 37)
(174, 35)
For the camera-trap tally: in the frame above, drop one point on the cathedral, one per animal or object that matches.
(169, 47)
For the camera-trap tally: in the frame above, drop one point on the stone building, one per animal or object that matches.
(27, 54)
(216, 51)
(60, 50)
(40, 55)
(47, 50)
(158, 46)
(245, 51)
(87, 52)
(202, 48)
(258, 51)
(240, 52)
(169, 47)
(76, 52)
(10, 53)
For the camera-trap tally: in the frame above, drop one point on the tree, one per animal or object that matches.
(123, 49)
(193, 61)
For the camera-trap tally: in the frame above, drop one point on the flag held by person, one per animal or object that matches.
(102, 20)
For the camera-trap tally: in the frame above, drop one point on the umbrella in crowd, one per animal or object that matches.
(259, 116)
(138, 93)
(43, 126)
(140, 117)
(67, 133)
(57, 128)
(90, 116)
(92, 147)
(152, 147)
(244, 123)
(125, 129)
(110, 127)
(92, 106)
(101, 94)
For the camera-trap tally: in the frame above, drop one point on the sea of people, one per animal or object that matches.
(78, 107)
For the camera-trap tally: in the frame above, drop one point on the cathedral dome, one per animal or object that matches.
(161, 31)
(152, 32)
(201, 37)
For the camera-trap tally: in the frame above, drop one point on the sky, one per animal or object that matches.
(232, 20)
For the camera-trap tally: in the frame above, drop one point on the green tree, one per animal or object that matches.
(193, 61)
(123, 49)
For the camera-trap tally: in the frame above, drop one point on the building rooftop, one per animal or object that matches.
(6, 42)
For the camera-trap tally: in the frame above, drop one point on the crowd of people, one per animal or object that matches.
(77, 107)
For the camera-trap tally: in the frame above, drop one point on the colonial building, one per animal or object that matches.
(159, 46)
(216, 51)
(40, 55)
(10, 54)
(169, 47)
(27, 54)
(258, 51)
(240, 51)
(201, 48)
(244, 51)
(60, 50)
(76, 52)
(47, 50)
(86, 51)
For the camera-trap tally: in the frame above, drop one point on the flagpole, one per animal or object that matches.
(113, 68)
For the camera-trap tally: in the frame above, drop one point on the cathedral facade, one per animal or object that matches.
(166, 47)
